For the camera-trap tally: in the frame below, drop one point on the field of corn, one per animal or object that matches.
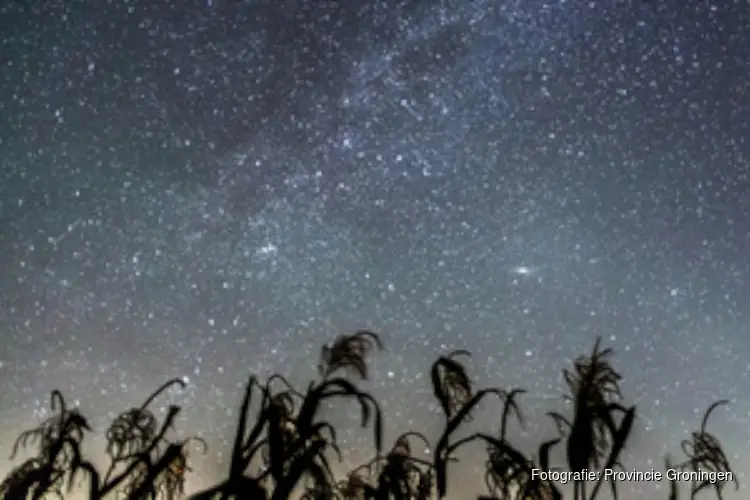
(283, 448)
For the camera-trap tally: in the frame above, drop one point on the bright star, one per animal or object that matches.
(523, 270)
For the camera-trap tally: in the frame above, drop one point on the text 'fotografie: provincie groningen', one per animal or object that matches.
(635, 475)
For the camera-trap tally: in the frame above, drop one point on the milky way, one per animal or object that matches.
(213, 189)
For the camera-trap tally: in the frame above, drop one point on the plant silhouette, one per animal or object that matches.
(287, 440)
(704, 452)
(283, 448)
(58, 456)
(594, 435)
(144, 463)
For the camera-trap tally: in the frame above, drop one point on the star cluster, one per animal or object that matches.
(213, 189)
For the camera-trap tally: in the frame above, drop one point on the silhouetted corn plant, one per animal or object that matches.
(143, 461)
(58, 442)
(132, 446)
(704, 453)
(150, 464)
(505, 468)
(165, 478)
(595, 437)
(290, 439)
(450, 382)
(398, 475)
(349, 353)
(312, 437)
(359, 484)
(453, 389)
(508, 472)
(247, 444)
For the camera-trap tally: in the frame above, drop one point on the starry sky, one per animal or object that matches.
(212, 189)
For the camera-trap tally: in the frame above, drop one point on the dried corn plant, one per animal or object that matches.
(705, 454)
(58, 443)
(601, 425)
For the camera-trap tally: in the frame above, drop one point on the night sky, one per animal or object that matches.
(213, 189)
